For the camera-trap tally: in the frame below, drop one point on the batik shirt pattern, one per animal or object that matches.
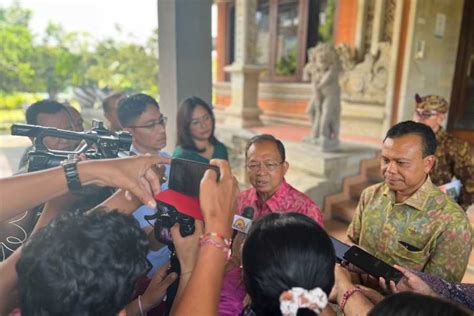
(429, 221)
(454, 159)
(285, 199)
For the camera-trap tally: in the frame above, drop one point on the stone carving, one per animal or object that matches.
(324, 108)
(365, 81)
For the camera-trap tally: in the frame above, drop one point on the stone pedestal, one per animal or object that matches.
(244, 111)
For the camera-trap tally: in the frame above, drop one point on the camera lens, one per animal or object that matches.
(186, 226)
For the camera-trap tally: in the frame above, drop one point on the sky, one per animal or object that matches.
(98, 17)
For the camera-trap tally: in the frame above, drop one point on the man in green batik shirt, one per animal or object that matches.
(407, 220)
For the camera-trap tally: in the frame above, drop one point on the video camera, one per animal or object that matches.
(99, 143)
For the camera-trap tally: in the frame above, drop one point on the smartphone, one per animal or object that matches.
(371, 264)
(185, 175)
(340, 248)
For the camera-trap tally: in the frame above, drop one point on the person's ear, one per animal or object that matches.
(440, 118)
(429, 162)
(107, 116)
(32, 140)
(286, 165)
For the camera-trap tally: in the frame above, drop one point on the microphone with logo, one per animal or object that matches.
(242, 223)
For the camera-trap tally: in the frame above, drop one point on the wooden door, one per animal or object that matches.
(461, 112)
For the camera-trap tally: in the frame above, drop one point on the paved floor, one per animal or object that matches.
(11, 150)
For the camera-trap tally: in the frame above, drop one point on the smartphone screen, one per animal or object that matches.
(372, 265)
(340, 248)
(186, 175)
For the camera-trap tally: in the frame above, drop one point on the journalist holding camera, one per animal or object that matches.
(161, 242)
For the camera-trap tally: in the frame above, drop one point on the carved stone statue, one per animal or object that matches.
(324, 108)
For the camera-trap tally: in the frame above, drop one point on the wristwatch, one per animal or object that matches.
(72, 176)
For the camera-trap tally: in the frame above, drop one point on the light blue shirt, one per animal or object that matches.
(156, 257)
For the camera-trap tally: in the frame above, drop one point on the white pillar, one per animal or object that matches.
(185, 46)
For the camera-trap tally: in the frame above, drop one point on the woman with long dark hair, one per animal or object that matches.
(196, 140)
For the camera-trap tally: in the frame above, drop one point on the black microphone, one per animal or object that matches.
(242, 223)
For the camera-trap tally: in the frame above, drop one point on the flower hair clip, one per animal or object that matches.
(292, 300)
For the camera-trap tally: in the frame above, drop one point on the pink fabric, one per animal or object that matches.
(285, 199)
(232, 293)
(15, 312)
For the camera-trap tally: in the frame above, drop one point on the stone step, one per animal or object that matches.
(374, 175)
(344, 211)
(356, 189)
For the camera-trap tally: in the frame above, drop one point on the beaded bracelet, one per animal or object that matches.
(348, 293)
(206, 240)
(227, 241)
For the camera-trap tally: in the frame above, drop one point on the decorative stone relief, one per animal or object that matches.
(389, 19)
(365, 81)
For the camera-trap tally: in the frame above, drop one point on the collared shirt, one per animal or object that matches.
(220, 152)
(156, 257)
(434, 226)
(285, 199)
(164, 186)
(454, 159)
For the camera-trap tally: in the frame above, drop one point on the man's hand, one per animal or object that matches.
(134, 174)
(411, 282)
(156, 290)
(218, 197)
(374, 296)
(187, 248)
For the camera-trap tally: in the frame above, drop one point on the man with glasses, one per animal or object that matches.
(266, 168)
(140, 115)
(453, 155)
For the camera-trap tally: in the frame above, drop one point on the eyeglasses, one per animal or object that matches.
(269, 165)
(150, 126)
(202, 120)
(425, 114)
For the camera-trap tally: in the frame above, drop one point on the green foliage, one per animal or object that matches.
(59, 59)
(8, 117)
(56, 66)
(326, 29)
(17, 100)
(125, 66)
(286, 65)
(16, 49)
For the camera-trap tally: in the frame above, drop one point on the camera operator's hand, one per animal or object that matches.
(153, 294)
(218, 197)
(135, 174)
(187, 247)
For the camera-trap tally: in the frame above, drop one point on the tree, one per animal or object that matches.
(56, 65)
(327, 27)
(61, 59)
(16, 49)
(121, 65)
